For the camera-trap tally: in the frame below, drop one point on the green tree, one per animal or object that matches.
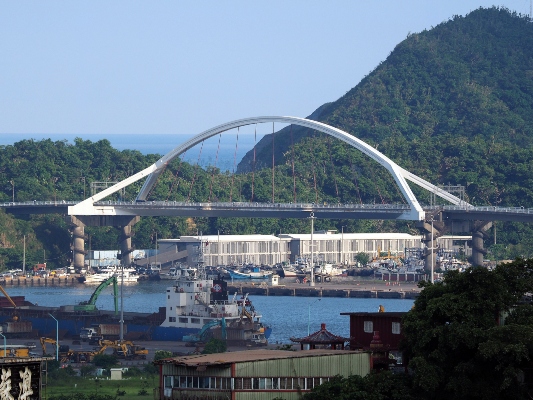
(362, 258)
(215, 346)
(105, 360)
(456, 341)
(161, 354)
(375, 386)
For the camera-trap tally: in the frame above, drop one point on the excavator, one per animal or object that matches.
(124, 349)
(68, 355)
(63, 349)
(202, 335)
(90, 306)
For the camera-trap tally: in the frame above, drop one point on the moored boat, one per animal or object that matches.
(254, 273)
(195, 301)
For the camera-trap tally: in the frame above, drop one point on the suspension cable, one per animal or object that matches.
(195, 171)
(253, 163)
(376, 185)
(176, 180)
(332, 167)
(214, 167)
(355, 181)
(234, 162)
(293, 173)
(313, 164)
(273, 163)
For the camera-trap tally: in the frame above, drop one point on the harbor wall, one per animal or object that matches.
(349, 290)
(378, 292)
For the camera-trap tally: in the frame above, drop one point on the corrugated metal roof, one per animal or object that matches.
(247, 356)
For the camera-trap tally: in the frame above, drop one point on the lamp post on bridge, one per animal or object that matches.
(342, 244)
(13, 187)
(312, 283)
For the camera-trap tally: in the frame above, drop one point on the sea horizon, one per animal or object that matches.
(153, 144)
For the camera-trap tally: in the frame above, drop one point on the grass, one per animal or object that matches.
(73, 386)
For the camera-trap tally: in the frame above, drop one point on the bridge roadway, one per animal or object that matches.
(275, 210)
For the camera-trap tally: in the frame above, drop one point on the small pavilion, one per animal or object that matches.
(322, 339)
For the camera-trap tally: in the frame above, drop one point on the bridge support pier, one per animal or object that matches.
(430, 239)
(79, 223)
(479, 230)
(78, 250)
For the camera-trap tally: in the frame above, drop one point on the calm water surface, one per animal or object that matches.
(288, 316)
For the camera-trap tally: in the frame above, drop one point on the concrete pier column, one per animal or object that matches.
(125, 242)
(478, 235)
(430, 239)
(77, 227)
(78, 246)
(78, 224)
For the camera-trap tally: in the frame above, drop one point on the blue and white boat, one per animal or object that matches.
(196, 300)
(254, 273)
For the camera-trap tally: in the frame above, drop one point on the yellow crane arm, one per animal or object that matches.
(7, 296)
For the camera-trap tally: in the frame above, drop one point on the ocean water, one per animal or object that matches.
(287, 315)
(230, 150)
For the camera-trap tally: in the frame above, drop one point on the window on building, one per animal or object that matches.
(195, 320)
(171, 319)
(368, 327)
(169, 381)
(184, 320)
(396, 328)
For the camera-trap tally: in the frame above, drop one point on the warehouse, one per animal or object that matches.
(256, 374)
(329, 247)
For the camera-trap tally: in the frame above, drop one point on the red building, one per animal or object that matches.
(388, 324)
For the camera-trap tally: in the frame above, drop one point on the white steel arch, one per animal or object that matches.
(399, 174)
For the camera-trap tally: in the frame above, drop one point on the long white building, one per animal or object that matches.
(328, 247)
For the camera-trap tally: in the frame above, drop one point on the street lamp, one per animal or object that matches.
(5, 347)
(309, 316)
(342, 244)
(312, 283)
(57, 336)
(13, 186)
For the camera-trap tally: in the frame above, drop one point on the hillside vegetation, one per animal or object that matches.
(452, 104)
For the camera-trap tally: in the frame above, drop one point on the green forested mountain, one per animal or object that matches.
(452, 104)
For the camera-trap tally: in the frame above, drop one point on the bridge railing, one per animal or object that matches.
(235, 204)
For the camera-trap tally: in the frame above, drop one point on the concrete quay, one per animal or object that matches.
(342, 288)
(38, 281)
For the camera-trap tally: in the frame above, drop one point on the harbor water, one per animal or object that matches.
(289, 316)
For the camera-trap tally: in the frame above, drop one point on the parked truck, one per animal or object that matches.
(101, 332)
(16, 329)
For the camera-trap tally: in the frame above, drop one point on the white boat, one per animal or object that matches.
(255, 273)
(291, 272)
(171, 274)
(195, 301)
(126, 275)
(328, 269)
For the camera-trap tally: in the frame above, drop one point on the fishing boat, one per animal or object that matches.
(196, 301)
(254, 273)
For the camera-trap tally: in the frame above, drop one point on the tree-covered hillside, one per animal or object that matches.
(453, 105)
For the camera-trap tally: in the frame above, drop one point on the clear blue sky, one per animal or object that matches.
(180, 67)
